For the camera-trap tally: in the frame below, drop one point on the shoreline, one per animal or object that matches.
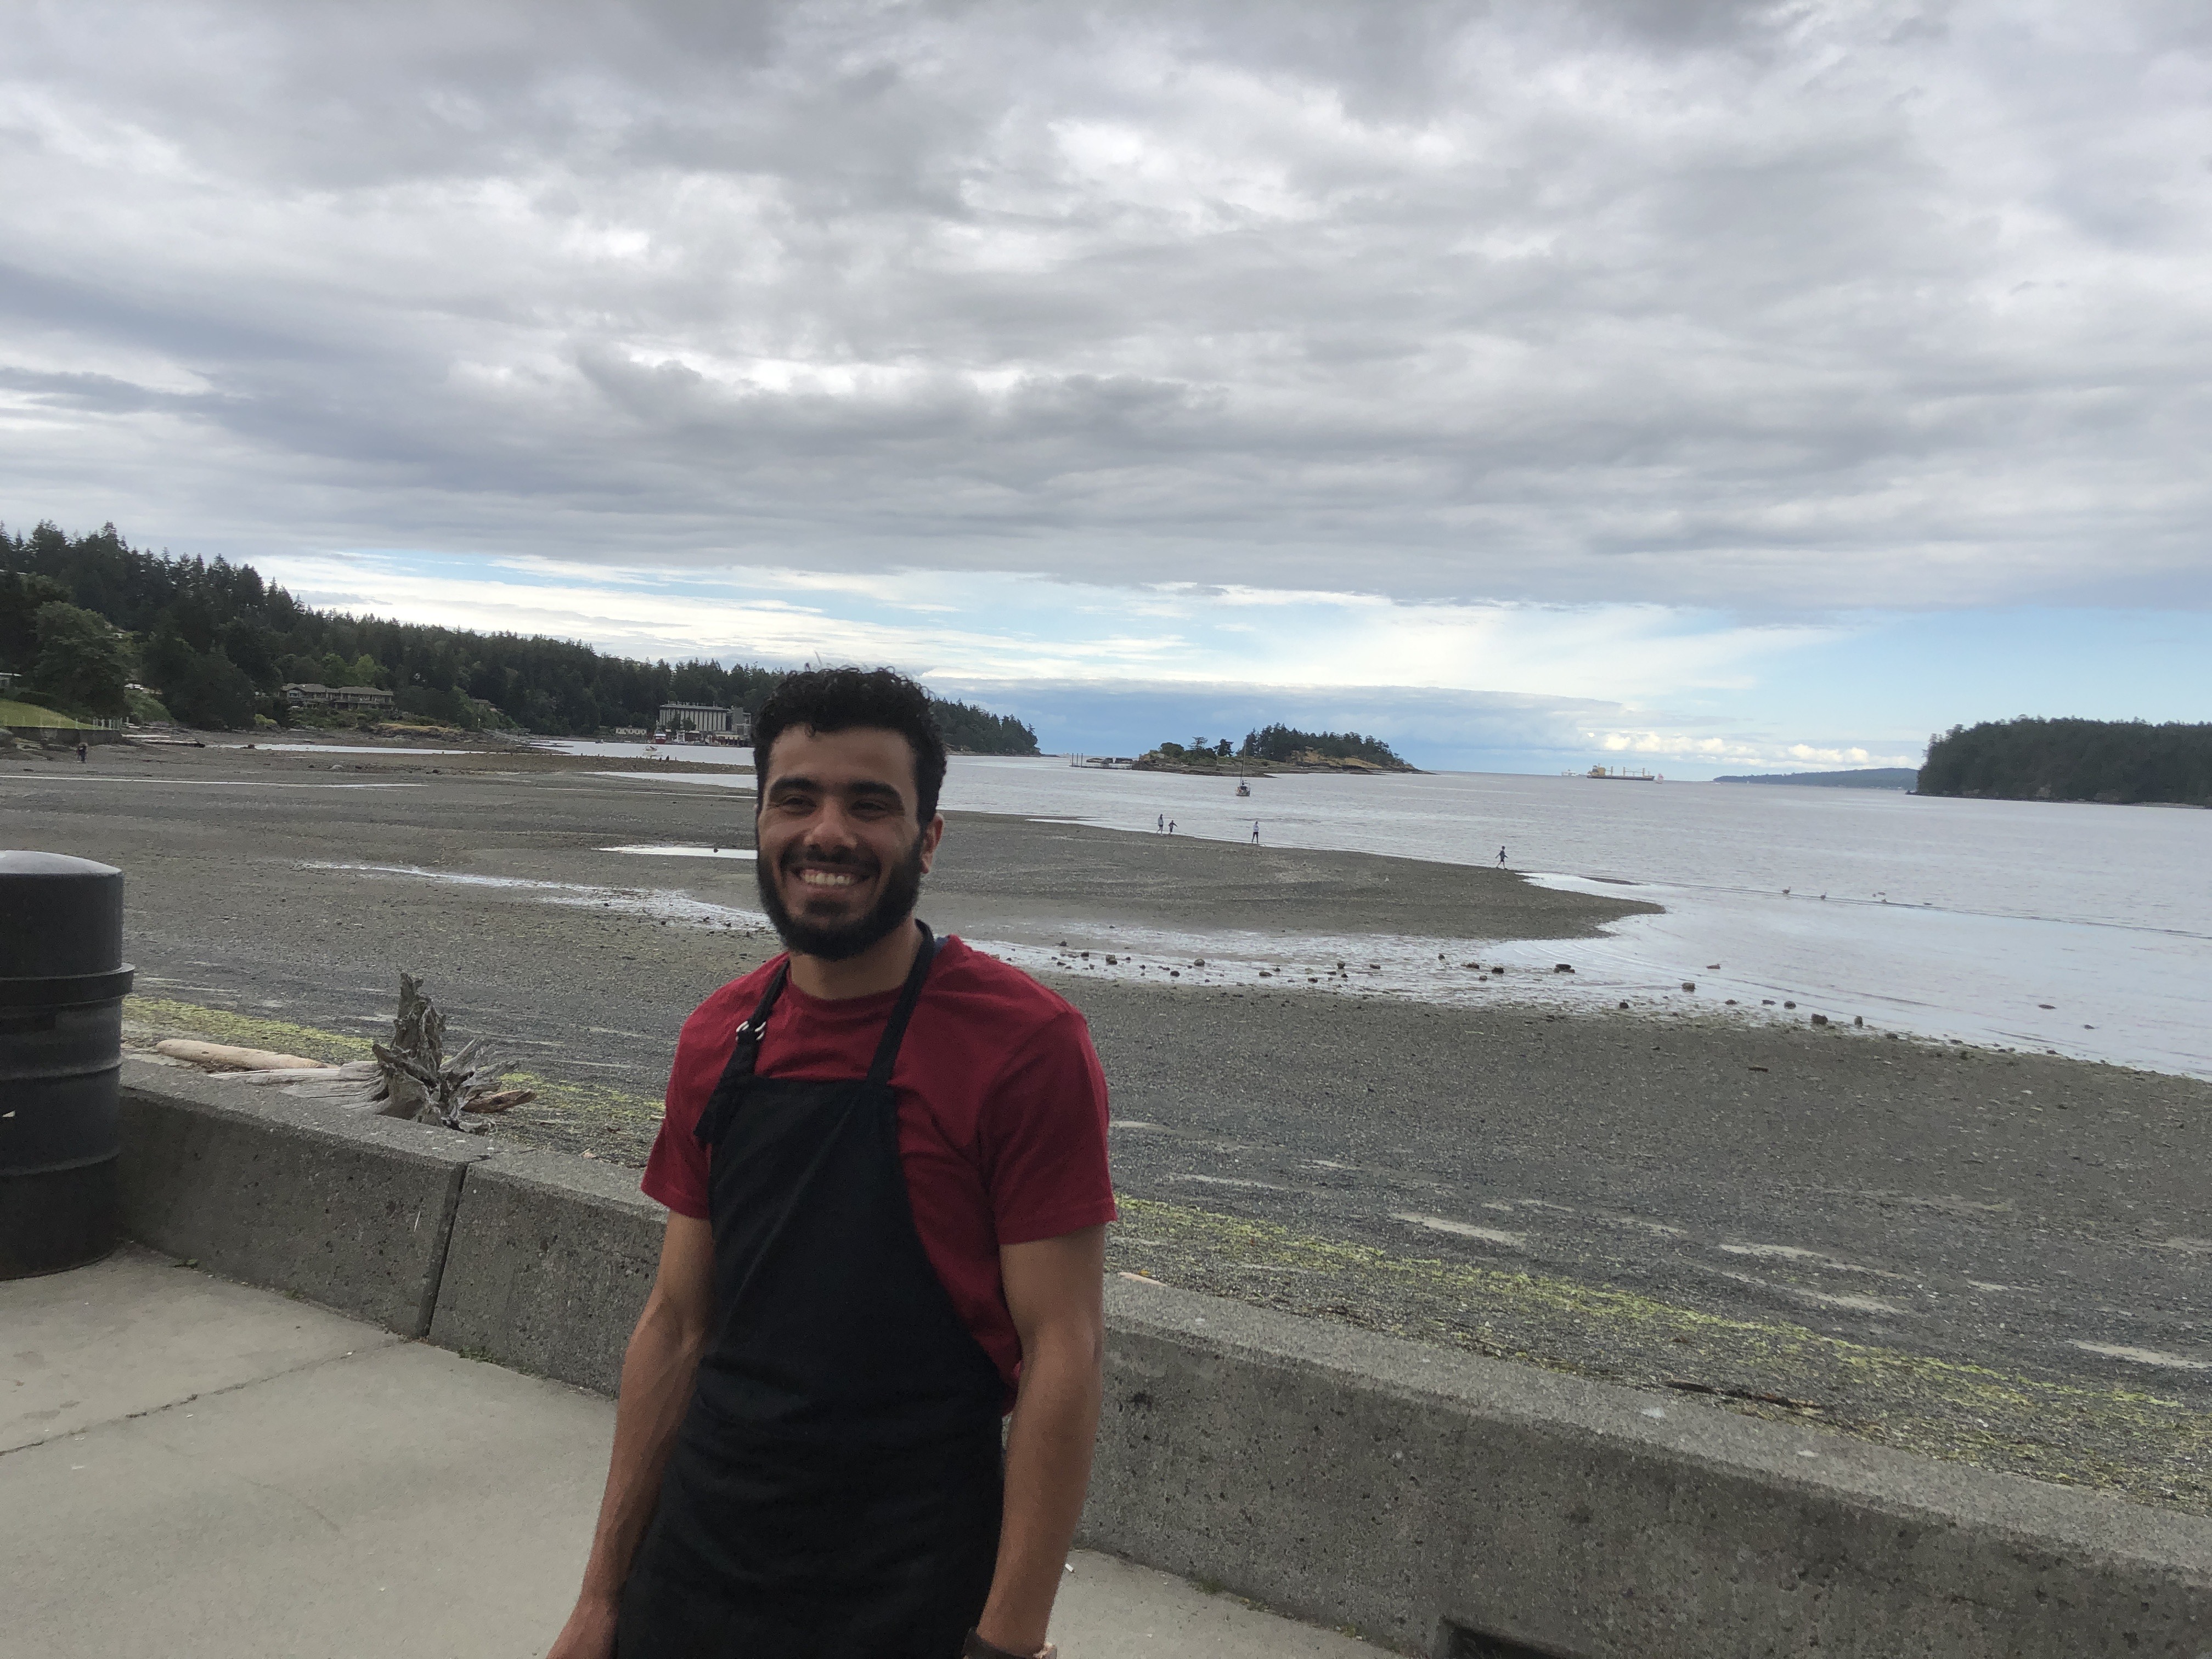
(1917, 1238)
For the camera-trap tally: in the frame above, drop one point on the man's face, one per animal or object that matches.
(841, 857)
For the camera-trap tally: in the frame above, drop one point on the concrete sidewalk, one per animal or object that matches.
(191, 1467)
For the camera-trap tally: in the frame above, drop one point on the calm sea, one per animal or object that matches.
(2086, 930)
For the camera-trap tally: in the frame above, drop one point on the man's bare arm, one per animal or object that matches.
(1054, 1289)
(658, 1370)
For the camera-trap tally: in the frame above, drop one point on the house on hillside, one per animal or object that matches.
(705, 718)
(311, 695)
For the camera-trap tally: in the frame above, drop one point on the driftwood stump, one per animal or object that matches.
(421, 1081)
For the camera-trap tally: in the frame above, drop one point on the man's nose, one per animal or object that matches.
(833, 827)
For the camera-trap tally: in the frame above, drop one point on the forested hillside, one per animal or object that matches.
(217, 645)
(2123, 761)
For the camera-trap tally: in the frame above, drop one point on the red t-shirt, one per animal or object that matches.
(1001, 1112)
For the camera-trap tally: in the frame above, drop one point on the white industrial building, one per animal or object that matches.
(705, 718)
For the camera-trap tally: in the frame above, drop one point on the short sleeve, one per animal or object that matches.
(676, 1170)
(1044, 1137)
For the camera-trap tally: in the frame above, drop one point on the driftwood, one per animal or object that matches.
(412, 1077)
(353, 1085)
(223, 1057)
(421, 1081)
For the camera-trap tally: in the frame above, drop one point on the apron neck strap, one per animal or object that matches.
(746, 1054)
(747, 1050)
(895, 1030)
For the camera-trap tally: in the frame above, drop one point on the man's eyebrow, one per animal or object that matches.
(797, 782)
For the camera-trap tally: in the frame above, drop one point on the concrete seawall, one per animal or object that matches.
(1439, 1502)
(63, 736)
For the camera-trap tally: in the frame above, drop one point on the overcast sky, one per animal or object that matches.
(1722, 383)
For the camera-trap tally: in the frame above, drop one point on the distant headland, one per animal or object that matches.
(2126, 762)
(1274, 748)
(1866, 777)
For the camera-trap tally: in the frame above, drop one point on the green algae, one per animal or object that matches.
(2133, 1443)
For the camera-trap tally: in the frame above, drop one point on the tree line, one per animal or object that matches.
(1285, 744)
(82, 617)
(2026, 759)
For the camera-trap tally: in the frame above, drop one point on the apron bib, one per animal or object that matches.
(836, 1485)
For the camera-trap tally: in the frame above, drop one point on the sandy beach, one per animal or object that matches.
(1990, 1256)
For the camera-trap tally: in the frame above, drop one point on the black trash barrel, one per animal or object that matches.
(62, 981)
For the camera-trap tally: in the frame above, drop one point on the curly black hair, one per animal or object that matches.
(840, 699)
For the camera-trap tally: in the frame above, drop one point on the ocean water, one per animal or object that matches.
(2081, 929)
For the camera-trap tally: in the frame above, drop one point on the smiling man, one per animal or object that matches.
(884, 1164)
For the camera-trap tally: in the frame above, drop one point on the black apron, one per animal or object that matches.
(836, 1486)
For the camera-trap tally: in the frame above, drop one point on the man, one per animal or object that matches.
(884, 1163)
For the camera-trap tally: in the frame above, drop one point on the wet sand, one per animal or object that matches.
(1989, 1256)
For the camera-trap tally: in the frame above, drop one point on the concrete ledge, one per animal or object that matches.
(347, 1210)
(64, 736)
(549, 1263)
(1437, 1502)
(1443, 1502)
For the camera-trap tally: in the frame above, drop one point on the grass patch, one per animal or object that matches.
(13, 713)
(162, 1017)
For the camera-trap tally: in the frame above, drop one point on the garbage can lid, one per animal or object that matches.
(51, 864)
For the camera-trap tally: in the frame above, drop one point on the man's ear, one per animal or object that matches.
(931, 833)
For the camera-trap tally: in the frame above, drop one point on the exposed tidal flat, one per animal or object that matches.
(1988, 1256)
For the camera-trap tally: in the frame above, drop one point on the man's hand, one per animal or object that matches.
(658, 1373)
(1055, 1292)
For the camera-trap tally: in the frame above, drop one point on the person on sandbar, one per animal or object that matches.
(884, 1164)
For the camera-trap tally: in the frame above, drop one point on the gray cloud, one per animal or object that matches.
(1780, 306)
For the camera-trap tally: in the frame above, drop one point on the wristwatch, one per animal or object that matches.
(978, 1648)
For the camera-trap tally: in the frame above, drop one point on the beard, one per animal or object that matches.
(842, 941)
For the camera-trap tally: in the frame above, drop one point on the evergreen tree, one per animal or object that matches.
(22, 595)
(218, 641)
(80, 667)
(2116, 761)
(1285, 744)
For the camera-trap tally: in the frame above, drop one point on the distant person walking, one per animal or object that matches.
(80, 754)
(1255, 832)
(1161, 823)
(1171, 826)
(1501, 858)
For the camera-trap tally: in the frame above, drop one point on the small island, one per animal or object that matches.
(2125, 762)
(1276, 749)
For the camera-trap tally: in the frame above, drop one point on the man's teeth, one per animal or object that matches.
(826, 878)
